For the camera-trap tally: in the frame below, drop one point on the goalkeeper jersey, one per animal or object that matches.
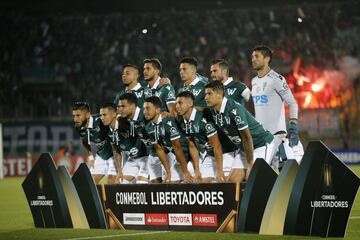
(269, 93)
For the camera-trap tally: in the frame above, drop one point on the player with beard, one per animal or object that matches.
(170, 145)
(270, 90)
(117, 126)
(130, 78)
(92, 130)
(238, 91)
(166, 92)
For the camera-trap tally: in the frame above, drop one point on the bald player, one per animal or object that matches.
(130, 78)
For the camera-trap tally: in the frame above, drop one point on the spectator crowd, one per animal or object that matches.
(48, 62)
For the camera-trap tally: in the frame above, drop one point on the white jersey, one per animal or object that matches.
(269, 93)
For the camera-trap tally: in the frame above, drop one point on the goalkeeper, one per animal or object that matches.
(269, 92)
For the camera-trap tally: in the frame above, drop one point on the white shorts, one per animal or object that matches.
(103, 167)
(296, 152)
(157, 170)
(265, 152)
(233, 160)
(136, 167)
(207, 167)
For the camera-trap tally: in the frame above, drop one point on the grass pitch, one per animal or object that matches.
(16, 223)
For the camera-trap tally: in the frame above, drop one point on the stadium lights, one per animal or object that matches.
(144, 31)
(315, 87)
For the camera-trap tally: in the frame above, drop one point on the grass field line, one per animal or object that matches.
(117, 235)
(355, 217)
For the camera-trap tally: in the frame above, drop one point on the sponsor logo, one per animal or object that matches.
(133, 152)
(208, 220)
(134, 218)
(261, 99)
(17, 166)
(156, 219)
(235, 139)
(35, 138)
(180, 219)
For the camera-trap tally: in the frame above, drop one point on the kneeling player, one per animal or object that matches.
(168, 143)
(134, 150)
(239, 125)
(204, 135)
(92, 130)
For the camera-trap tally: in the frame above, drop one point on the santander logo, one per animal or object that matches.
(156, 219)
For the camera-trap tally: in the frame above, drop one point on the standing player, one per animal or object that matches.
(238, 124)
(204, 135)
(270, 91)
(170, 145)
(192, 81)
(235, 90)
(130, 141)
(166, 92)
(130, 78)
(91, 130)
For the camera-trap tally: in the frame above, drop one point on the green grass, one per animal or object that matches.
(16, 222)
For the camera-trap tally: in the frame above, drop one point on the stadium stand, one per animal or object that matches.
(48, 61)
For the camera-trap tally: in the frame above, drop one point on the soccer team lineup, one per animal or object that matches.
(202, 133)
